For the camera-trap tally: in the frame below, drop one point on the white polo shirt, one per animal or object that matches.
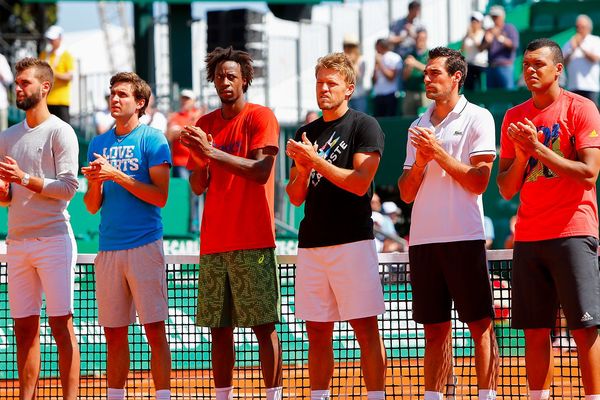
(443, 211)
(583, 74)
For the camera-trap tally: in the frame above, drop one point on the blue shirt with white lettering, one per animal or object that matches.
(126, 221)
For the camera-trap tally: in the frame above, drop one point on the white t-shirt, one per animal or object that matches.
(6, 78)
(582, 74)
(473, 55)
(443, 210)
(384, 86)
(156, 120)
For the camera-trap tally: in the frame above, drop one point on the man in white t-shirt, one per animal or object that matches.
(6, 78)
(386, 77)
(582, 58)
(449, 158)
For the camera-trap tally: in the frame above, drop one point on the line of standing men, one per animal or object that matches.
(549, 153)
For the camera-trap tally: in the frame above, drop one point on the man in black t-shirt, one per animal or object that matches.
(334, 162)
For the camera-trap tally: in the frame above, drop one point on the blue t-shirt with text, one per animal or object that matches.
(126, 221)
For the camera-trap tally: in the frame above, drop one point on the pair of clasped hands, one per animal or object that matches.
(9, 172)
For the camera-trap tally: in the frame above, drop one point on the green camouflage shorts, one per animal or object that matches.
(238, 288)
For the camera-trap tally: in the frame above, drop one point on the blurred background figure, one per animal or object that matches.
(358, 101)
(6, 79)
(187, 114)
(153, 117)
(310, 116)
(488, 229)
(412, 74)
(403, 32)
(477, 59)
(63, 65)
(502, 42)
(103, 119)
(385, 80)
(582, 59)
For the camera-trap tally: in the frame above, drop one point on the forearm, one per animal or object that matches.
(297, 188)
(473, 178)
(410, 182)
(93, 197)
(351, 180)
(255, 170)
(63, 188)
(199, 180)
(64, 76)
(577, 170)
(147, 192)
(510, 180)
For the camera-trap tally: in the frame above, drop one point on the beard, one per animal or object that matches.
(330, 105)
(29, 102)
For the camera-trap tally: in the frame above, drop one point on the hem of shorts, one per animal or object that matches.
(565, 235)
(271, 321)
(27, 316)
(341, 319)
(254, 246)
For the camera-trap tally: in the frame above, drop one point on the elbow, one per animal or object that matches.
(161, 202)
(506, 195)
(92, 209)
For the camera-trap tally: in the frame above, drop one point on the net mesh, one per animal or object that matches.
(190, 345)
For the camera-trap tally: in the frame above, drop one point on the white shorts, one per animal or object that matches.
(338, 283)
(130, 280)
(41, 265)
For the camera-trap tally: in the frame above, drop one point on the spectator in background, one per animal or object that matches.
(188, 114)
(63, 65)
(509, 242)
(358, 101)
(502, 42)
(414, 86)
(103, 120)
(153, 117)
(310, 116)
(582, 58)
(385, 79)
(477, 59)
(403, 32)
(488, 229)
(6, 78)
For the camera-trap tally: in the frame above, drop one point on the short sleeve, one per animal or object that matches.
(586, 123)
(265, 129)
(370, 137)
(411, 152)
(92, 149)
(507, 148)
(67, 62)
(157, 148)
(482, 139)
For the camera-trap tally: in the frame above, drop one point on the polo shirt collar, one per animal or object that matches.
(458, 108)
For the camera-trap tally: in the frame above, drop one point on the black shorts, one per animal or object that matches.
(548, 272)
(61, 112)
(442, 272)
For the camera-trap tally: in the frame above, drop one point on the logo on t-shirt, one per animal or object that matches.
(330, 151)
(551, 139)
(593, 134)
(122, 157)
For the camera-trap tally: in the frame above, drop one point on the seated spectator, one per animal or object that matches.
(582, 59)
(414, 86)
(403, 32)
(153, 117)
(477, 60)
(103, 119)
(358, 101)
(502, 42)
(385, 80)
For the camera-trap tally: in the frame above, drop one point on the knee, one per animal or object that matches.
(60, 328)
(155, 333)
(585, 337)
(537, 337)
(266, 332)
(116, 336)
(222, 336)
(319, 332)
(366, 330)
(437, 333)
(482, 329)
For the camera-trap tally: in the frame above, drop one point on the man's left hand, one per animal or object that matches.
(304, 152)
(10, 171)
(526, 136)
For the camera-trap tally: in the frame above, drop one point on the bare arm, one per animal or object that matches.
(357, 180)
(93, 196)
(410, 182)
(199, 179)
(297, 187)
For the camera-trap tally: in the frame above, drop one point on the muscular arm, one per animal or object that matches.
(410, 182)
(93, 196)
(199, 179)
(297, 187)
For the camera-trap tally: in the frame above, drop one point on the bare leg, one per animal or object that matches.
(27, 333)
(223, 356)
(117, 356)
(486, 353)
(68, 354)
(588, 352)
(373, 360)
(438, 355)
(539, 360)
(160, 355)
(270, 354)
(320, 354)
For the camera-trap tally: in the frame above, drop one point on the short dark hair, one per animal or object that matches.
(141, 89)
(219, 55)
(455, 61)
(43, 70)
(414, 4)
(383, 42)
(557, 55)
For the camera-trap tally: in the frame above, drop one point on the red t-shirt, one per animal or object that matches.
(238, 213)
(180, 153)
(553, 206)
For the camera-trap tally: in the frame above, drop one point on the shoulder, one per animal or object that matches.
(475, 111)
(577, 104)
(256, 110)
(61, 127)
(209, 117)
(151, 133)
(518, 110)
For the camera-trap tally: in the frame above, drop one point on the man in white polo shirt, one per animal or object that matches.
(448, 163)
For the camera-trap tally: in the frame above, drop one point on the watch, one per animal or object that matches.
(25, 179)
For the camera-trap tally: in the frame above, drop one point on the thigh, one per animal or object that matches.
(354, 278)
(534, 297)
(254, 279)
(214, 308)
(574, 265)
(147, 278)
(55, 261)
(115, 303)
(313, 298)
(468, 280)
(431, 302)
(24, 286)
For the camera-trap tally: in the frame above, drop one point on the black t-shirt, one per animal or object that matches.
(333, 215)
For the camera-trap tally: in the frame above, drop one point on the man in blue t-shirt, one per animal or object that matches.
(128, 181)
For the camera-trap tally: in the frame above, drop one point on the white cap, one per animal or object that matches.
(188, 93)
(476, 15)
(351, 39)
(54, 32)
(497, 11)
(389, 207)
